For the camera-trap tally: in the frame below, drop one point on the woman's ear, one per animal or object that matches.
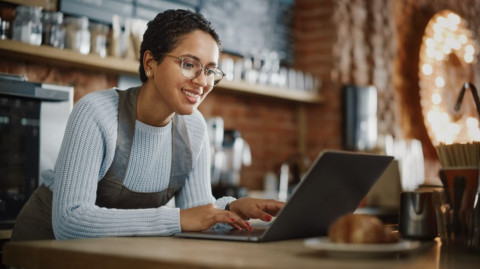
(149, 63)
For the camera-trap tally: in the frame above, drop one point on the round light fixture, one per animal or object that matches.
(447, 54)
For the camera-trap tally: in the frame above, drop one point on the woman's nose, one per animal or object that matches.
(201, 79)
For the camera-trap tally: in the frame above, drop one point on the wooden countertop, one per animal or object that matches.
(168, 252)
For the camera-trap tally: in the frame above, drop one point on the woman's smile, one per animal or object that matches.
(192, 96)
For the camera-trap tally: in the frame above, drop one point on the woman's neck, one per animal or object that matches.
(151, 110)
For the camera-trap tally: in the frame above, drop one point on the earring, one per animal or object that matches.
(148, 73)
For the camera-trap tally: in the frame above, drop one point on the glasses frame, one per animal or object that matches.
(202, 69)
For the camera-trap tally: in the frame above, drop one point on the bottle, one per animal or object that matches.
(77, 34)
(27, 26)
(98, 39)
(4, 29)
(53, 32)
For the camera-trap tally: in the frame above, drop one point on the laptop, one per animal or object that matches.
(334, 185)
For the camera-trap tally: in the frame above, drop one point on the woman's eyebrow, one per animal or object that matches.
(198, 59)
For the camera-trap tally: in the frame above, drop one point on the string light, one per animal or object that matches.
(469, 49)
(446, 34)
(468, 58)
(427, 69)
(436, 98)
(440, 82)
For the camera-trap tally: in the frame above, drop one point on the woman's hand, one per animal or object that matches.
(256, 208)
(201, 218)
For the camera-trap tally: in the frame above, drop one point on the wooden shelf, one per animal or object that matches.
(47, 54)
(282, 93)
(71, 58)
(5, 234)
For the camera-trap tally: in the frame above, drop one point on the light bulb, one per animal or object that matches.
(452, 26)
(438, 55)
(468, 58)
(427, 69)
(442, 21)
(444, 118)
(430, 52)
(475, 136)
(436, 98)
(455, 128)
(440, 82)
(456, 44)
(438, 37)
(454, 18)
(472, 122)
(437, 28)
(446, 49)
(430, 42)
(463, 39)
(469, 49)
(433, 116)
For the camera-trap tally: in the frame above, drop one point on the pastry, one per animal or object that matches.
(361, 229)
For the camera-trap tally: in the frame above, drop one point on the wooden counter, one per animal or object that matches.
(168, 252)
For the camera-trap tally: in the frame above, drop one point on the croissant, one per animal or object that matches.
(361, 229)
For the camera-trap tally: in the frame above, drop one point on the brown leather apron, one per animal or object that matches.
(35, 219)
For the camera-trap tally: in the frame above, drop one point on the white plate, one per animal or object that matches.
(362, 250)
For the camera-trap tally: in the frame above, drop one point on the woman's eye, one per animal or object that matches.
(188, 65)
(210, 71)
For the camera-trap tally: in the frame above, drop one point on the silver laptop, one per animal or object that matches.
(334, 185)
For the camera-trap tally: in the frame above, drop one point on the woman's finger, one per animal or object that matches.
(258, 213)
(231, 218)
(235, 226)
(272, 207)
(242, 223)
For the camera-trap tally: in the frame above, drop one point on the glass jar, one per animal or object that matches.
(77, 34)
(27, 26)
(4, 29)
(98, 39)
(53, 33)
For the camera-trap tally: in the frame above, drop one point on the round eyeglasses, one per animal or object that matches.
(192, 68)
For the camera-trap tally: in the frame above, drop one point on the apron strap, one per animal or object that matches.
(127, 115)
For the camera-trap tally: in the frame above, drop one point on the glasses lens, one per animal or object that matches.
(191, 68)
(217, 76)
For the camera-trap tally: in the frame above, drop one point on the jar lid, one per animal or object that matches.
(52, 16)
(79, 22)
(99, 27)
(28, 10)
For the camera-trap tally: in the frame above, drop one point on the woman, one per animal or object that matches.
(125, 154)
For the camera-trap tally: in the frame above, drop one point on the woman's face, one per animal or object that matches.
(182, 95)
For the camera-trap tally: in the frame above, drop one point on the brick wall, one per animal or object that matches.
(363, 42)
(269, 125)
(315, 36)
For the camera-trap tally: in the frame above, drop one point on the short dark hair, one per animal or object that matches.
(165, 32)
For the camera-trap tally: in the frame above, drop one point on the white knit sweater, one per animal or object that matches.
(86, 154)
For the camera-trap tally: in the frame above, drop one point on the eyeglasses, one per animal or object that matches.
(192, 68)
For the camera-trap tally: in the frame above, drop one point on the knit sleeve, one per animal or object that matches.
(197, 189)
(77, 172)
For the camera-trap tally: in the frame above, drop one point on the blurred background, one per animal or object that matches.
(377, 76)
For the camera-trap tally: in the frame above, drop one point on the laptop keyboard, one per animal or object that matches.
(234, 232)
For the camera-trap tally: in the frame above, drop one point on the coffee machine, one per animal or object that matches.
(229, 153)
(33, 118)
